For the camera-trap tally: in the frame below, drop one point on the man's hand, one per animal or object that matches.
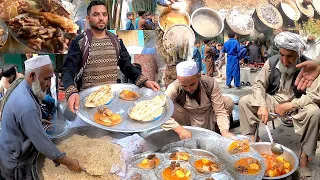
(311, 38)
(309, 72)
(227, 134)
(182, 132)
(74, 102)
(263, 114)
(152, 85)
(282, 109)
(73, 165)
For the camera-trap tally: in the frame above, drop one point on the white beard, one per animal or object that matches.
(286, 70)
(36, 88)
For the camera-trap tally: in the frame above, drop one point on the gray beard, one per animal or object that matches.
(36, 89)
(286, 70)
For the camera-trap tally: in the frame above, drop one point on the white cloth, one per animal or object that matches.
(290, 41)
(37, 62)
(187, 68)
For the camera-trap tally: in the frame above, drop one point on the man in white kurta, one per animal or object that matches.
(284, 97)
(197, 102)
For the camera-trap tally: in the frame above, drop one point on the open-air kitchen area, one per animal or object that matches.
(218, 96)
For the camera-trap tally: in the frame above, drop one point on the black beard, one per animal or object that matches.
(98, 29)
(194, 94)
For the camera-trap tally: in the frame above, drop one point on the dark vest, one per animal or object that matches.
(274, 77)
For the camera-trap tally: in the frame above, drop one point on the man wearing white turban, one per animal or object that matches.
(274, 91)
(22, 135)
(197, 102)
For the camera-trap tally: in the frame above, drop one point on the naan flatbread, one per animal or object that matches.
(99, 97)
(148, 110)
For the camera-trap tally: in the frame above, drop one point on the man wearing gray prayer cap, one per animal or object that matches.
(274, 91)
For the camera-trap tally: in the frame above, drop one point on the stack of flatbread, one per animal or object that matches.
(148, 110)
(100, 97)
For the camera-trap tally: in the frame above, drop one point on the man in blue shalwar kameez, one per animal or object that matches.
(232, 48)
(22, 135)
(204, 69)
(197, 56)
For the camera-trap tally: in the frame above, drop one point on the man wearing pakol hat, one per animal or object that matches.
(197, 102)
(274, 91)
(22, 135)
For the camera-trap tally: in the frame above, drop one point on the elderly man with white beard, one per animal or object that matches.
(22, 134)
(274, 91)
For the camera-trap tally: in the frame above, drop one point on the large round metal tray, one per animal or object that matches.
(91, 132)
(128, 125)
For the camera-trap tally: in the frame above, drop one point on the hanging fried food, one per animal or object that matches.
(65, 23)
(150, 162)
(176, 172)
(99, 97)
(247, 166)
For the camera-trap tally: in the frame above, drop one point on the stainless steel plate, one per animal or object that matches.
(4, 37)
(128, 125)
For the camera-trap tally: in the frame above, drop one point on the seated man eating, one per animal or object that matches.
(274, 91)
(197, 102)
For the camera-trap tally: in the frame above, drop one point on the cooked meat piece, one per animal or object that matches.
(136, 176)
(252, 160)
(23, 5)
(101, 110)
(151, 156)
(152, 163)
(178, 165)
(235, 151)
(35, 43)
(241, 169)
(70, 36)
(214, 167)
(209, 179)
(172, 155)
(1, 32)
(58, 32)
(62, 12)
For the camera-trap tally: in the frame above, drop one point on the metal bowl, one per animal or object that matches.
(166, 11)
(288, 155)
(211, 21)
(160, 169)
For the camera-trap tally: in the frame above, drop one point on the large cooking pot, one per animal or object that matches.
(287, 8)
(288, 155)
(261, 23)
(207, 22)
(166, 11)
(90, 131)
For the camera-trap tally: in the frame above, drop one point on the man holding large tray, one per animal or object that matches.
(94, 56)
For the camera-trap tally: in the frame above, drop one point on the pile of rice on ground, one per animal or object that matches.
(97, 156)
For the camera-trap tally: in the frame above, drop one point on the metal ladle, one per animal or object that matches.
(276, 149)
